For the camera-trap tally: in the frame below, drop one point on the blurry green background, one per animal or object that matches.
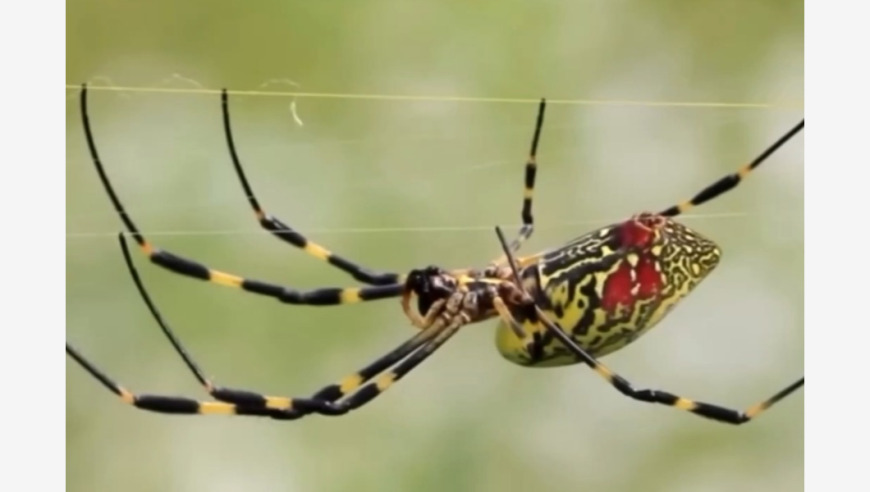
(438, 175)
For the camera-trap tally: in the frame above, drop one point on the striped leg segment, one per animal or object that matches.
(190, 268)
(243, 402)
(528, 226)
(275, 406)
(708, 410)
(730, 181)
(287, 233)
(163, 403)
(352, 382)
(368, 392)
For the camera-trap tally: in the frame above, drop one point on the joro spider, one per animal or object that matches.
(573, 304)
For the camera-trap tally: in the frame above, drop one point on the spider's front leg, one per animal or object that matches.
(288, 234)
(383, 285)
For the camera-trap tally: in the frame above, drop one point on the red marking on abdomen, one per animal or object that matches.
(638, 230)
(649, 278)
(631, 233)
(619, 285)
(617, 288)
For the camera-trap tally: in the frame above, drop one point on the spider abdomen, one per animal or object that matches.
(608, 287)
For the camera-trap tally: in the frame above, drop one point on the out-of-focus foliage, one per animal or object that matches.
(361, 175)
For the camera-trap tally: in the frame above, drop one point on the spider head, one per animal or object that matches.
(430, 284)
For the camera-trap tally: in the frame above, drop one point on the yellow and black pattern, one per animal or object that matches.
(570, 283)
(578, 286)
(531, 170)
(287, 233)
(184, 266)
(728, 182)
(161, 403)
(540, 319)
(230, 401)
(708, 410)
(568, 305)
(349, 393)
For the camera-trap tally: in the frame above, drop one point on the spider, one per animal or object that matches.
(572, 304)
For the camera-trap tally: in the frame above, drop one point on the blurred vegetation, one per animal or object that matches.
(465, 420)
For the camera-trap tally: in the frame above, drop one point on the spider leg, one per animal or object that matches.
(164, 403)
(528, 226)
(290, 235)
(190, 268)
(352, 382)
(323, 403)
(708, 410)
(728, 182)
(243, 402)
(444, 319)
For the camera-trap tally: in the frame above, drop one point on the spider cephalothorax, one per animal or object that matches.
(429, 285)
(570, 304)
